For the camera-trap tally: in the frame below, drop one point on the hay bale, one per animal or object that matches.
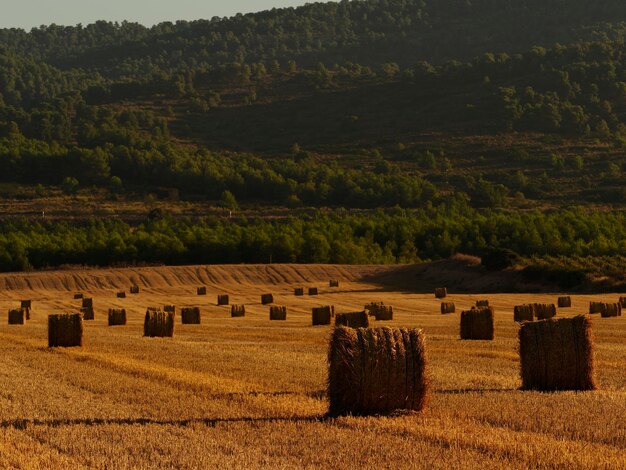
(223, 299)
(158, 324)
(267, 299)
(595, 307)
(322, 315)
(557, 354)
(482, 303)
(88, 313)
(121, 295)
(313, 291)
(201, 290)
(353, 320)
(27, 304)
(565, 302)
(17, 316)
(78, 296)
(478, 324)
(377, 370)
(169, 309)
(611, 310)
(27, 313)
(441, 292)
(447, 307)
(373, 307)
(384, 313)
(117, 316)
(87, 302)
(278, 313)
(190, 315)
(544, 311)
(238, 311)
(65, 330)
(334, 283)
(622, 302)
(134, 289)
(298, 291)
(523, 313)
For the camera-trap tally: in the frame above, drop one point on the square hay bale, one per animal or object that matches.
(87, 302)
(201, 290)
(622, 302)
(17, 316)
(121, 295)
(376, 370)
(565, 302)
(595, 307)
(482, 303)
(78, 296)
(27, 304)
(353, 320)
(373, 307)
(322, 315)
(478, 324)
(238, 311)
(117, 316)
(611, 310)
(278, 313)
(557, 354)
(523, 313)
(170, 309)
(223, 299)
(88, 313)
(158, 324)
(65, 330)
(313, 291)
(441, 292)
(298, 291)
(334, 283)
(544, 311)
(27, 313)
(384, 313)
(447, 307)
(190, 315)
(134, 289)
(267, 299)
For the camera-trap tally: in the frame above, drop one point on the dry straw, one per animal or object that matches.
(267, 299)
(17, 316)
(88, 302)
(482, 303)
(298, 291)
(322, 315)
(523, 313)
(565, 302)
(223, 299)
(557, 354)
(65, 330)
(278, 313)
(134, 289)
(190, 315)
(478, 324)
(238, 311)
(544, 311)
(611, 310)
(88, 313)
(377, 370)
(121, 295)
(158, 324)
(353, 320)
(441, 292)
(201, 290)
(447, 307)
(117, 316)
(313, 291)
(334, 283)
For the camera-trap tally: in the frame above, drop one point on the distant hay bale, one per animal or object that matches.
(313, 291)
(322, 315)
(441, 292)
(238, 311)
(353, 320)
(565, 302)
(447, 307)
(595, 307)
(78, 296)
(134, 289)
(544, 311)
(611, 310)
(158, 324)
(557, 354)
(478, 324)
(88, 313)
(17, 316)
(65, 330)
(121, 295)
(334, 283)
(27, 312)
(27, 304)
(523, 313)
(278, 313)
(622, 302)
(190, 315)
(298, 291)
(482, 303)
(170, 309)
(201, 290)
(267, 299)
(373, 307)
(87, 302)
(384, 313)
(377, 370)
(223, 299)
(117, 316)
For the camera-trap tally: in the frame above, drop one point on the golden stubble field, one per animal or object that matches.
(248, 392)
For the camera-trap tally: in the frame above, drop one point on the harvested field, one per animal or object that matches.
(255, 391)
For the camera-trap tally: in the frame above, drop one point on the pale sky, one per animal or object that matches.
(33, 13)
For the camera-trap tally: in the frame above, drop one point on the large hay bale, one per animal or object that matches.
(544, 311)
(622, 302)
(482, 303)
(201, 290)
(447, 307)
(611, 310)
(121, 295)
(377, 370)
(334, 283)
(441, 292)
(384, 313)
(134, 289)
(17, 316)
(78, 296)
(267, 299)
(223, 299)
(88, 302)
(557, 354)
(27, 304)
(158, 324)
(298, 291)
(478, 324)
(88, 313)
(322, 315)
(565, 302)
(117, 316)
(313, 291)
(523, 313)
(595, 307)
(278, 313)
(353, 320)
(65, 330)
(190, 315)
(170, 309)
(238, 311)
